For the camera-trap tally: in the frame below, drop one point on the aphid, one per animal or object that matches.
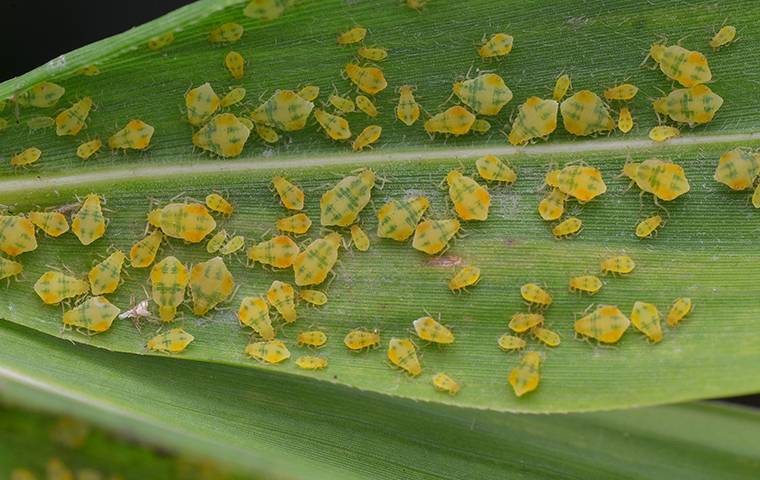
(552, 206)
(72, 120)
(684, 66)
(569, 226)
(509, 343)
(646, 319)
(345, 105)
(354, 35)
(625, 120)
(624, 91)
(52, 223)
(403, 354)
(279, 252)
(548, 337)
(42, 95)
(218, 203)
(235, 63)
(492, 168)
(271, 351)
(738, 169)
(536, 118)
(586, 283)
(445, 383)
(27, 157)
(254, 312)
(606, 324)
(342, 204)
(367, 137)
(416, 4)
(282, 297)
(336, 127)
(581, 182)
(54, 287)
(266, 9)
(57, 470)
(432, 236)
(135, 135)
(210, 284)
(467, 276)
(524, 378)
(480, 125)
(201, 102)
(535, 295)
(9, 268)
(285, 110)
(22, 474)
(236, 95)
(309, 93)
(88, 224)
(168, 279)
(368, 79)
(561, 86)
(665, 180)
(313, 264)
(455, 120)
(216, 242)
(236, 243)
(522, 322)
(187, 221)
(365, 105)
(226, 33)
(361, 339)
(398, 219)
(310, 362)
(173, 341)
(312, 338)
(299, 223)
(585, 114)
(16, 235)
(360, 239)
(90, 71)
(267, 134)
(486, 94)
(694, 105)
(499, 45)
(315, 297)
(87, 149)
(725, 36)
(617, 264)
(430, 330)
(106, 275)
(40, 123)
(407, 110)
(143, 252)
(95, 314)
(160, 41)
(374, 54)
(681, 307)
(756, 197)
(648, 226)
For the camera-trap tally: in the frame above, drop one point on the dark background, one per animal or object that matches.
(33, 32)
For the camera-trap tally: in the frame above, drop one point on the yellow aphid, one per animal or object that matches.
(336, 127)
(52, 223)
(369, 79)
(236, 95)
(585, 114)
(173, 341)
(201, 102)
(509, 343)
(403, 354)
(271, 351)
(236, 243)
(522, 322)
(282, 297)
(57, 470)
(359, 238)
(9, 268)
(552, 206)
(88, 224)
(291, 196)
(342, 204)
(309, 362)
(606, 324)
(279, 252)
(235, 64)
(569, 226)
(16, 235)
(432, 236)
(226, 33)
(456, 120)
(486, 94)
(466, 277)
(648, 226)
(106, 275)
(27, 157)
(624, 91)
(681, 307)
(398, 219)
(71, 120)
(724, 37)
(665, 180)
(361, 339)
(168, 279)
(561, 86)
(548, 337)
(90, 71)
(492, 168)
(581, 182)
(87, 149)
(684, 66)
(143, 252)
(354, 35)
(210, 284)
(313, 264)
(135, 135)
(407, 110)
(312, 338)
(525, 377)
(586, 283)
(535, 295)
(367, 137)
(480, 125)
(315, 297)
(42, 95)
(430, 330)
(738, 169)
(267, 134)
(646, 319)
(617, 264)
(416, 4)
(218, 203)
(625, 120)
(96, 314)
(309, 93)
(225, 135)
(40, 123)
(366, 105)
(22, 474)
(499, 45)
(254, 312)
(345, 105)
(160, 41)
(266, 9)
(445, 383)
(536, 118)
(299, 223)
(694, 105)
(374, 54)
(285, 110)
(54, 287)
